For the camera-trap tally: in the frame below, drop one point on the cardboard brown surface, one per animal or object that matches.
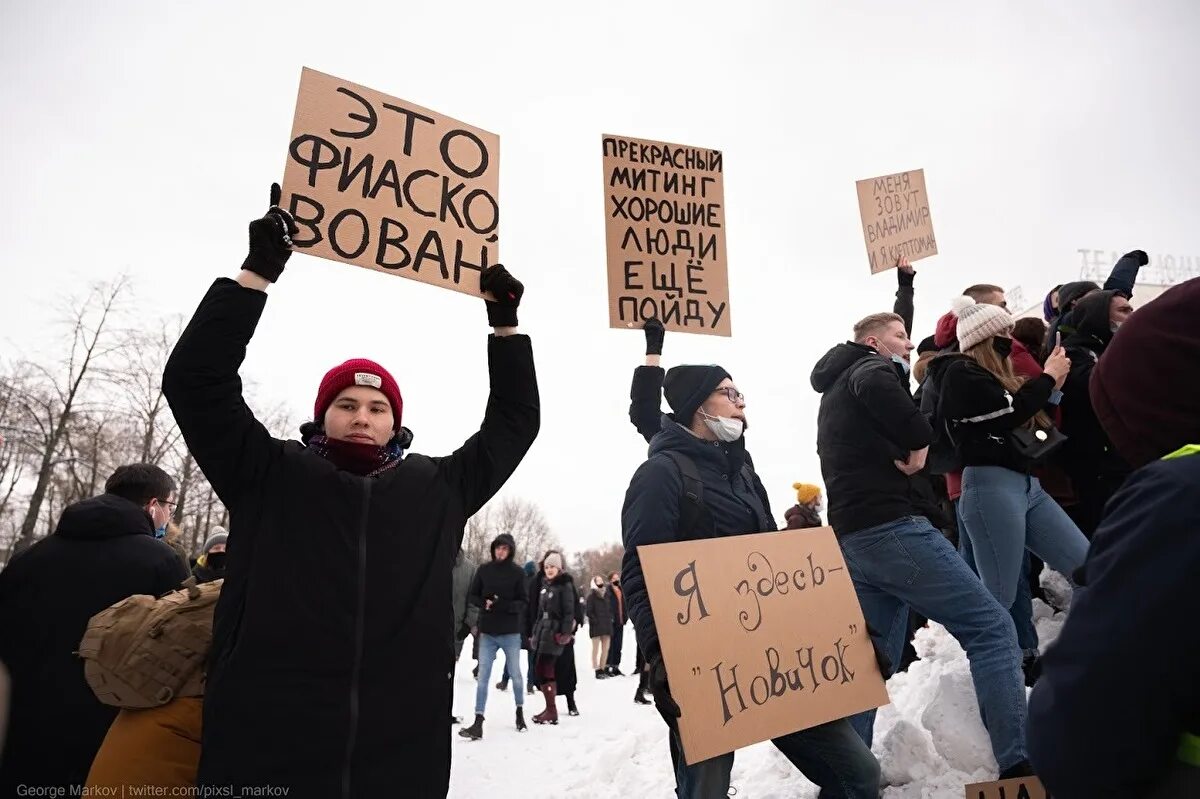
(762, 635)
(384, 184)
(896, 219)
(664, 210)
(1016, 788)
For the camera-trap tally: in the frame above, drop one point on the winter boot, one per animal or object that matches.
(455, 720)
(503, 684)
(640, 695)
(529, 689)
(601, 675)
(521, 719)
(572, 710)
(550, 714)
(1032, 667)
(475, 731)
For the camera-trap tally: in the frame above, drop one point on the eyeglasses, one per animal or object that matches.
(168, 502)
(732, 393)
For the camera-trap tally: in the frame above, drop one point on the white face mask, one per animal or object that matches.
(905, 365)
(724, 428)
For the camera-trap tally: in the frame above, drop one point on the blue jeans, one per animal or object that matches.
(1022, 607)
(488, 646)
(1007, 512)
(908, 562)
(831, 755)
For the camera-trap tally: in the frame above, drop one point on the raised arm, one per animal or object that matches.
(904, 293)
(201, 381)
(645, 395)
(1125, 272)
(511, 420)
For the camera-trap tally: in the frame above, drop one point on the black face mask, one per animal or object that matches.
(1002, 346)
(216, 562)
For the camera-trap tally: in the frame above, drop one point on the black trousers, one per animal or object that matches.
(614, 646)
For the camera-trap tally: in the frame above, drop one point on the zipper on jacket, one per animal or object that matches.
(359, 634)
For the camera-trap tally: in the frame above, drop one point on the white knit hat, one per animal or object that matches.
(977, 322)
(553, 559)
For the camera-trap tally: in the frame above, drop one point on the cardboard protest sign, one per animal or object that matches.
(895, 219)
(1016, 788)
(384, 184)
(665, 225)
(762, 635)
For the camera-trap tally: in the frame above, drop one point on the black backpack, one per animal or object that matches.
(944, 456)
(695, 521)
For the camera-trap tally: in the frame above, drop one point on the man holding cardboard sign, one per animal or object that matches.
(327, 676)
(696, 485)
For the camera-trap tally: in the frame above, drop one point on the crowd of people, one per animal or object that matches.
(1065, 442)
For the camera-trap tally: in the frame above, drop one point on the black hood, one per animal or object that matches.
(938, 365)
(1069, 293)
(1089, 320)
(835, 362)
(102, 517)
(504, 538)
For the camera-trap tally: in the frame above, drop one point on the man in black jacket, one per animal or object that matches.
(332, 647)
(103, 550)
(707, 427)
(499, 592)
(872, 440)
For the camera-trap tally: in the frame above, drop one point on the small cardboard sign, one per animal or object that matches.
(1016, 788)
(762, 635)
(384, 184)
(895, 219)
(664, 210)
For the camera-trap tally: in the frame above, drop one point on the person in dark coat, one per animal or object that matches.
(806, 513)
(103, 550)
(332, 646)
(872, 441)
(1095, 467)
(1121, 280)
(600, 625)
(616, 606)
(210, 565)
(553, 628)
(498, 594)
(1116, 712)
(706, 426)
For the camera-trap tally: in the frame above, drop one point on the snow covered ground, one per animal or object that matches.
(929, 741)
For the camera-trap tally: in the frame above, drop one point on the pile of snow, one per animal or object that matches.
(930, 741)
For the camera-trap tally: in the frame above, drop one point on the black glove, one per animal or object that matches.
(881, 657)
(905, 278)
(1140, 255)
(507, 290)
(655, 333)
(657, 681)
(271, 240)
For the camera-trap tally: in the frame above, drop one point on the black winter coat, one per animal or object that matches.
(102, 551)
(867, 420)
(599, 614)
(981, 412)
(1119, 685)
(651, 511)
(333, 637)
(503, 582)
(555, 614)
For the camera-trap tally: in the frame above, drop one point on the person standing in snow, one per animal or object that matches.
(553, 629)
(705, 435)
(600, 625)
(498, 594)
(616, 605)
(103, 550)
(332, 645)
(1116, 712)
(984, 405)
(872, 439)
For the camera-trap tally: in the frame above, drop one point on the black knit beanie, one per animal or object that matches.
(687, 387)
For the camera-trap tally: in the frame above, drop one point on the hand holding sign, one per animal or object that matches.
(270, 240)
(507, 290)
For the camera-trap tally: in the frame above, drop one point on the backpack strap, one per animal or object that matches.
(692, 511)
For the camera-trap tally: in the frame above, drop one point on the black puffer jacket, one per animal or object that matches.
(599, 614)
(502, 582)
(102, 551)
(555, 614)
(981, 413)
(866, 421)
(333, 642)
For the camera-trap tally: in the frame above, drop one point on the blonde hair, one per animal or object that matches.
(874, 324)
(1001, 368)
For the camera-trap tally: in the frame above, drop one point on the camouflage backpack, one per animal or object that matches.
(144, 652)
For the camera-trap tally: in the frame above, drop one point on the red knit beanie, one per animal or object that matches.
(358, 372)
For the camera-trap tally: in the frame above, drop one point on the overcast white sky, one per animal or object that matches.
(143, 136)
